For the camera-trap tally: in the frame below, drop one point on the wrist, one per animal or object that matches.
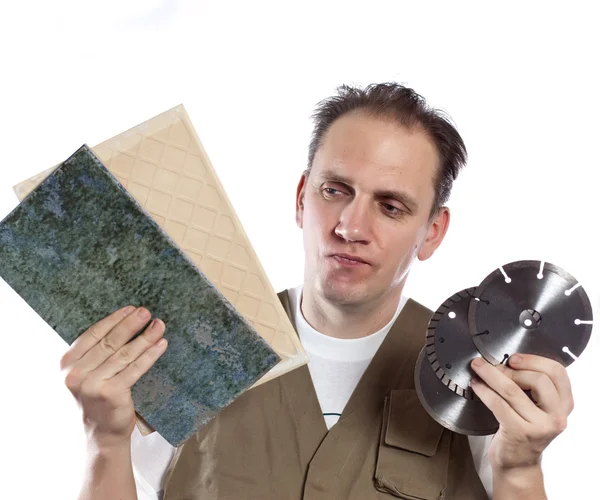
(99, 447)
(526, 482)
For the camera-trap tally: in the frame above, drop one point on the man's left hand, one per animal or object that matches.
(526, 426)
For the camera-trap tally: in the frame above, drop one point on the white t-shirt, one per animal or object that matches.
(335, 366)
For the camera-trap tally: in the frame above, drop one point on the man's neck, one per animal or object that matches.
(348, 322)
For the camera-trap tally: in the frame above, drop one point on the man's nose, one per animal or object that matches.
(355, 224)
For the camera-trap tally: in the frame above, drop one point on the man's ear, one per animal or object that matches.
(300, 192)
(435, 234)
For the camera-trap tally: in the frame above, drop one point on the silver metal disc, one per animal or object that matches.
(530, 307)
(450, 348)
(461, 415)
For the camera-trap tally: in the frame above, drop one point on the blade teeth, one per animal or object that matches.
(433, 333)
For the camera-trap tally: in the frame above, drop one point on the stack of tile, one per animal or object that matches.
(143, 219)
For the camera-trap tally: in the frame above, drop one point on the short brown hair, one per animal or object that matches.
(409, 109)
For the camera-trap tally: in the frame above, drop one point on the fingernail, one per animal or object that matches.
(515, 358)
(477, 362)
(128, 310)
(143, 313)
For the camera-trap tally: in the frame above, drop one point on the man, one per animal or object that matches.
(381, 167)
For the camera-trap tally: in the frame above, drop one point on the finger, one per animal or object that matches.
(507, 390)
(93, 335)
(130, 351)
(116, 338)
(130, 375)
(506, 416)
(542, 389)
(553, 369)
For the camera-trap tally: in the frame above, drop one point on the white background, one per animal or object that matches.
(519, 79)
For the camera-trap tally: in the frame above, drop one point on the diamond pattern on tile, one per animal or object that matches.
(158, 202)
(281, 343)
(139, 192)
(224, 226)
(239, 256)
(212, 268)
(233, 277)
(268, 314)
(253, 284)
(193, 167)
(165, 181)
(143, 172)
(248, 306)
(150, 149)
(266, 332)
(196, 240)
(189, 189)
(230, 295)
(181, 209)
(122, 165)
(161, 133)
(204, 217)
(196, 257)
(160, 220)
(173, 158)
(197, 214)
(218, 247)
(176, 230)
(210, 197)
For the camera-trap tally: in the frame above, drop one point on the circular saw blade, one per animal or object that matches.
(450, 348)
(530, 307)
(461, 415)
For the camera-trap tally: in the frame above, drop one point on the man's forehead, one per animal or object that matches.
(381, 147)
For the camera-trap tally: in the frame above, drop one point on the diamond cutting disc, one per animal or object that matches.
(461, 415)
(530, 307)
(450, 348)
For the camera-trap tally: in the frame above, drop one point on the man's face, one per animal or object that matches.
(364, 209)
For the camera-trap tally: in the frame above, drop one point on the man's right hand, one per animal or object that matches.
(101, 367)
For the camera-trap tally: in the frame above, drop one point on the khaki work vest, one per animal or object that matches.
(272, 443)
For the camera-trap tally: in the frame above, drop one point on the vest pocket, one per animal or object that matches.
(412, 459)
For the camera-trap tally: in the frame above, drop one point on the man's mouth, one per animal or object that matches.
(349, 260)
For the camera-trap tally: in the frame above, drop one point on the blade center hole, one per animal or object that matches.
(530, 319)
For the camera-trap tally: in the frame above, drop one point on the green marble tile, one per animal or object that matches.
(80, 246)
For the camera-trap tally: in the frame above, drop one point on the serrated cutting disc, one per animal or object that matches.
(450, 348)
(530, 307)
(461, 415)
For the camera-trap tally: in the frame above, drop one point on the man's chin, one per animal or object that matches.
(344, 294)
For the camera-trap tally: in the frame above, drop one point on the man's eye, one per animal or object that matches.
(391, 209)
(331, 191)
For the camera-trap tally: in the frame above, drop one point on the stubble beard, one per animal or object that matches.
(342, 294)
